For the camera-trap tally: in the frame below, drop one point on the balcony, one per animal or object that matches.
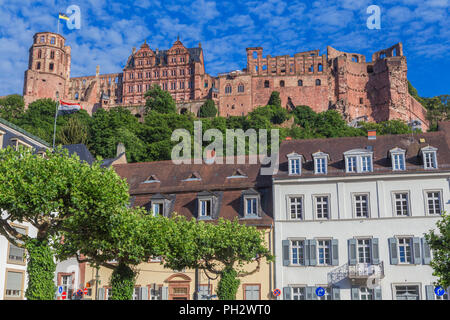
(356, 273)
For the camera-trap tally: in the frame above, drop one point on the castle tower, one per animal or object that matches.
(48, 68)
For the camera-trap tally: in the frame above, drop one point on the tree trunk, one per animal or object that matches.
(40, 269)
(122, 282)
(228, 284)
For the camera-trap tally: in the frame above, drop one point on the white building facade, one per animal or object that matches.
(350, 216)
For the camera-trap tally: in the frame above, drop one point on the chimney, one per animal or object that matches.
(372, 134)
(120, 149)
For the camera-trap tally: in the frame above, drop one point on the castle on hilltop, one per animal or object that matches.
(359, 90)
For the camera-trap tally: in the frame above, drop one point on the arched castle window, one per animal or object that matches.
(240, 87)
(76, 95)
(266, 84)
(311, 68)
(52, 54)
(39, 54)
(300, 83)
(382, 55)
(52, 40)
(51, 66)
(42, 39)
(318, 82)
(228, 88)
(355, 58)
(38, 66)
(255, 55)
(320, 67)
(282, 83)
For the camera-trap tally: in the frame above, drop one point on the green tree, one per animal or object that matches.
(208, 109)
(440, 245)
(304, 116)
(223, 249)
(159, 100)
(275, 114)
(12, 107)
(73, 132)
(129, 236)
(274, 99)
(46, 192)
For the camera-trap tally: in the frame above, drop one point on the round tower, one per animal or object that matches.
(48, 68)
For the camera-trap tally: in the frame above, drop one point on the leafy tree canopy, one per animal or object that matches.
(159, 100)
(208, 109)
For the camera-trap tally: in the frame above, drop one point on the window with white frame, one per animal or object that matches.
(321, 205)
(66, 283)
(205, 208)
(361, 205)
(296, 207)
(429, 157)
(320, 165)
(401, 204)
(298, 293)
(137, 293)
(108, 293)
(398, 161)
(294, 166)
(404, 250)
(366, 293)
(327, 295)
(351, 164)
(155, 292)
(157, 208)
(251, 206)
(363, 247)
(366, 164)
(298, 252)
(434, 202)
(407, 292)
(324, 252)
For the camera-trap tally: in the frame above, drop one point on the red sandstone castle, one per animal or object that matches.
(373, 91)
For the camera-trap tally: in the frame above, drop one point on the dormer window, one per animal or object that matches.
(238, 173)
(320, 162)
(195, 176)
(205, 208)
(398, 159)
(295, 163)
(251, 203)
(358, 160)
(157, 208)
(152, 179)
(429, 157)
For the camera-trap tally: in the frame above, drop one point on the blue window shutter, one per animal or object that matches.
(416, 251)
(307, 254)
(336, 293)
(429, 291)
(334, 252)
(144, 293)
(287, 293)
(286, 258)
(101, 294)
(426, 251)
(312, 252)
(375, 251)
(352, 252)
(355, 293)
(393, 250)
(377, 293)
(165, 293)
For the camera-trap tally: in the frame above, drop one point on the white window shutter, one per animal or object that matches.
(144, 293)
(307, 253)
(287, 293)
(426, 251)
(334, 252)
(101, 294)
(416, 251)
(312, 252)
(375, 251)
(393, 250)
(165, 293)
(429, 291)
(286, 258)
(355, 293)
(352, 252)
(336, 293)
(377, 293)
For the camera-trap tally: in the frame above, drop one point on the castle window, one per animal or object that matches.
(39, 54)
(228, 88)
(51, 66)
(38, 66)
(300, 83)
(282, 83)
(240, 87)
(311, 68)
(355, 58)
(382, 55)
(42, 39)
(318, 82)
(369, 69)
(76, 95)
(361, 100)
(52, 40)
(206, 84)
(52, 55)
(264, 67)
(255, 55)
(320, 67)
(266, 84)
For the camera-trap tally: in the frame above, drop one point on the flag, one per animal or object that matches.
(66, 107)
(63, 16)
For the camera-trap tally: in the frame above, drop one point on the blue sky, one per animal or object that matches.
(110, 28)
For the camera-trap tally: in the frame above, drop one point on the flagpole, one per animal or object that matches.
(56, 116)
